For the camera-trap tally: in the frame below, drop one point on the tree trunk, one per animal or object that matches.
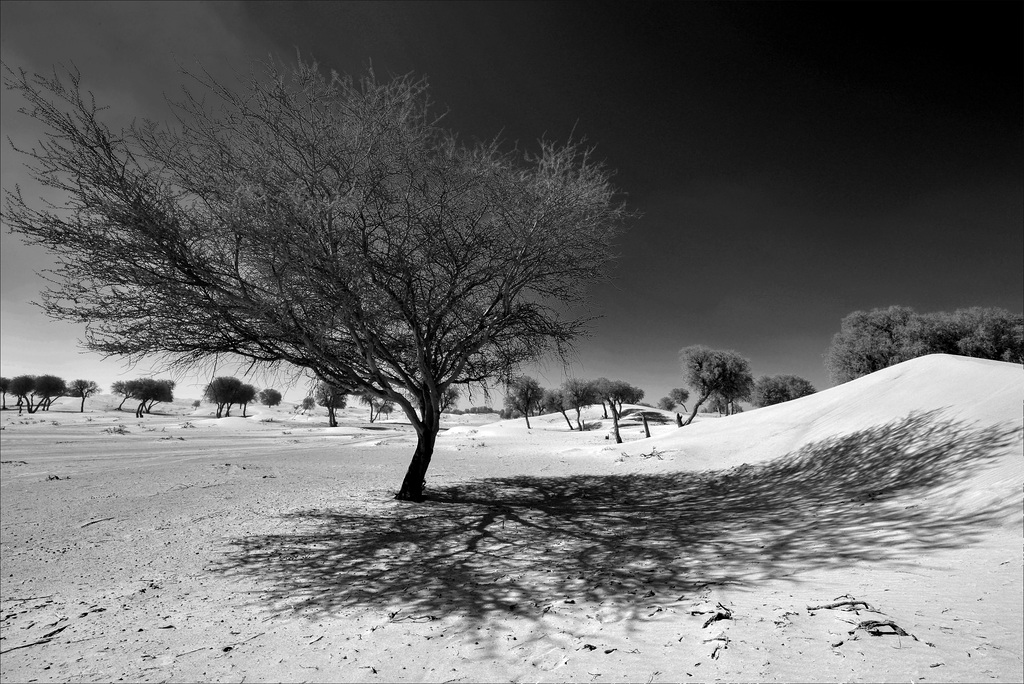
(332, 419)
(82, 409)
(695, 407)
(679, 419)
(415, 477)
(568, 422)
(122, 402)
(227, 413)
(647, 429)
(579, 422)
(244, 406)
(615, 423)
(138, 411)
(605, 409)
(527, 417)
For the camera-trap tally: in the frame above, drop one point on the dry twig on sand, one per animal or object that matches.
(874, 628)
(847, 600)
(720, 613)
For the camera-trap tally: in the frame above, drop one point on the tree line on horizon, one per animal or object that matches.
(869, 341)
(37, 393)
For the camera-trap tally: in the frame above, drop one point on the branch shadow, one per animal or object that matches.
(490, 546)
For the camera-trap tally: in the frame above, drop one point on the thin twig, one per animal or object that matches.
(852, 602)
(93, 522)
(34, 643)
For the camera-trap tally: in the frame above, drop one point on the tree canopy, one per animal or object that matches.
(869, 341)
(775, 389)
(723, 373)
(83, 389)
(324, 221)
(332, 398)
(225, 391)
(524, 395)
(270, 397)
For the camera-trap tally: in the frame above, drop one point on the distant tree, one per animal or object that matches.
(714, 371)
(553, 401)
(679, 395)
(613, 394)
(624, 393)
(979, 332)
(83, 389)
(5, 384)
(666, 404)
(48, 388)
(524, 395)
(196, 404)
(869, 341)
(22, 387)
(723, 405)
(270, 397)
(377, 405)
(449, 398)
(122, 388)
(149, 392)
(332, 398)
(775, 389)
(223, 391)
(315, 219)
(604, 390)
(246, 394)
(577, 394)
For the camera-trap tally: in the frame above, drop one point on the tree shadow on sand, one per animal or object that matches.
(489, 546)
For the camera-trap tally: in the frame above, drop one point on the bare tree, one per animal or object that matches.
(83, 389)
(577, 394)
(332, 398)
(377, 405)
(449, 398)
(317, 220)
(123, 388)
(679, 395)
(5, 385)
(554, 400)
(524, 395)
(715, 371)
(611, 394)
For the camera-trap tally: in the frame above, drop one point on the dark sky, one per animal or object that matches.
(793, 162)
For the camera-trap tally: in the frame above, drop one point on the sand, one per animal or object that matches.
(180, 547)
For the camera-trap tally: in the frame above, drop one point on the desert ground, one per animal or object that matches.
(870, 532)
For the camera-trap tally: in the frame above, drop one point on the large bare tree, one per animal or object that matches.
(323, 221)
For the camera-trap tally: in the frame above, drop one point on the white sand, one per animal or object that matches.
(193, 548)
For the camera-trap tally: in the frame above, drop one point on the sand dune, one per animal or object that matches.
(869, 532)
